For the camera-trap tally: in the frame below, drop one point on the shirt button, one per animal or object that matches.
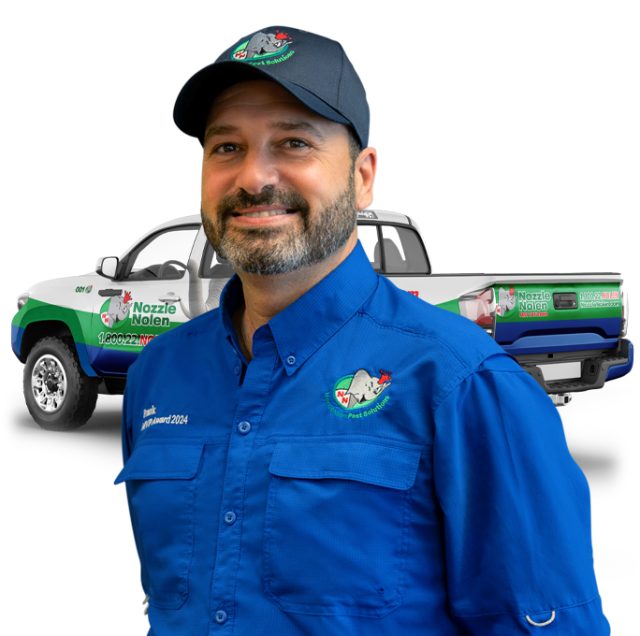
(244, 427)
(221, 617)
(229, 517)
(291, 360)
(237, 369)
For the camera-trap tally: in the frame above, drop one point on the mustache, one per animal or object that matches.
(269, 195)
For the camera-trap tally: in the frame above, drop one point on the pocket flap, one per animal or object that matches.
(168, 460)
(377, 463)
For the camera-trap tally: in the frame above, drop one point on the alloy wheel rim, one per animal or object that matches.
(48, 383)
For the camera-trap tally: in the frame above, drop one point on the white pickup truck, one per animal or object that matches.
(77, 336)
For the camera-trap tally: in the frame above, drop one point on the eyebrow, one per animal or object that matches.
(219, 129)
(285, 125)
(298, 125)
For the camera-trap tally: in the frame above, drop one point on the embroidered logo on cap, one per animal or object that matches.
(358, 394)
(264, 49)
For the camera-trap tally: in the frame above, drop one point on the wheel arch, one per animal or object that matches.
(35, 331)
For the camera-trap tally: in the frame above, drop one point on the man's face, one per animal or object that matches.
(278, 187)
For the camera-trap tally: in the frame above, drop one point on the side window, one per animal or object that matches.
(162, 256)
(368, 235)
(403, 251)
(213, 266)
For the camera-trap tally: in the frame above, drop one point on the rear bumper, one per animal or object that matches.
(597, 367)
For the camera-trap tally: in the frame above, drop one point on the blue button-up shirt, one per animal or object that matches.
(380, 467)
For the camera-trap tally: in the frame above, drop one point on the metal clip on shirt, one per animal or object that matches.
(543, 623)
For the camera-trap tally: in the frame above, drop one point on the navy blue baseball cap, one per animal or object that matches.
(314, 69)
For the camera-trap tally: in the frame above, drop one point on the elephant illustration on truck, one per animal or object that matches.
(118, 306)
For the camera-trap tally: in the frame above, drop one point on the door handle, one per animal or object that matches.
(169, 298)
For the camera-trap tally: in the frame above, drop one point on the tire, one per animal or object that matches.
(59, 396)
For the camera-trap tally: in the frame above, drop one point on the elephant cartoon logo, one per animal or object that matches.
(263, 46)
(506, 301)
(360, 389)
(116, 309)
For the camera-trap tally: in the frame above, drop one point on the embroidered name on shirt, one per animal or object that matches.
(150, 411)
(177, 419)
(358, 394)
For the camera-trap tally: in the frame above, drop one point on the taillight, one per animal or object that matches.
(480, 307)
(625, 313)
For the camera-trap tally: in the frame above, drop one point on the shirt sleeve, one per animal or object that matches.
(515, 510)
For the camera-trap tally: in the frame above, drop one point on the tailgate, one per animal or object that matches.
(567, 336)
(531, 318)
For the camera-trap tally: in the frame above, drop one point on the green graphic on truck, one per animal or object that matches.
(532, 301)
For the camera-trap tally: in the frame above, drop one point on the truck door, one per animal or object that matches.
(149, 296)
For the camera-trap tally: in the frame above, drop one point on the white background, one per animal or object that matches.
(509, 130)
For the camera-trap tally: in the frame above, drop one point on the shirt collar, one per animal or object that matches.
(304, 326)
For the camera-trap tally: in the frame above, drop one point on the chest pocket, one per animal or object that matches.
(161, 490)
(337, 518)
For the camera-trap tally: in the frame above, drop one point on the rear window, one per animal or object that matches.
(393, 249)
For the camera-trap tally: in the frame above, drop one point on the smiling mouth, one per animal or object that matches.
(260, 214)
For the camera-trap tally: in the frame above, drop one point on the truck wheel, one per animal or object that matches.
(59, 396)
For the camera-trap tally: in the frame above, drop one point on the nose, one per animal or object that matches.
(256, 171)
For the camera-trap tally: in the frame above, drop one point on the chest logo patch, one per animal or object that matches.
(359, 394)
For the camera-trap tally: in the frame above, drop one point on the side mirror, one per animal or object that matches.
(107, 266)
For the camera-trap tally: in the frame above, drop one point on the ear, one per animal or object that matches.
(365, 173)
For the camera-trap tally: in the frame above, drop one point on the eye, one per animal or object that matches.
(295, 143)
(224, 149)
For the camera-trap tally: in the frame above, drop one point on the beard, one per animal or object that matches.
(267, 251)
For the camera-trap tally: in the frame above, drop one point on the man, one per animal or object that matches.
(353, 460)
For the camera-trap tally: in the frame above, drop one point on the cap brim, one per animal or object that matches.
(197, 95)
